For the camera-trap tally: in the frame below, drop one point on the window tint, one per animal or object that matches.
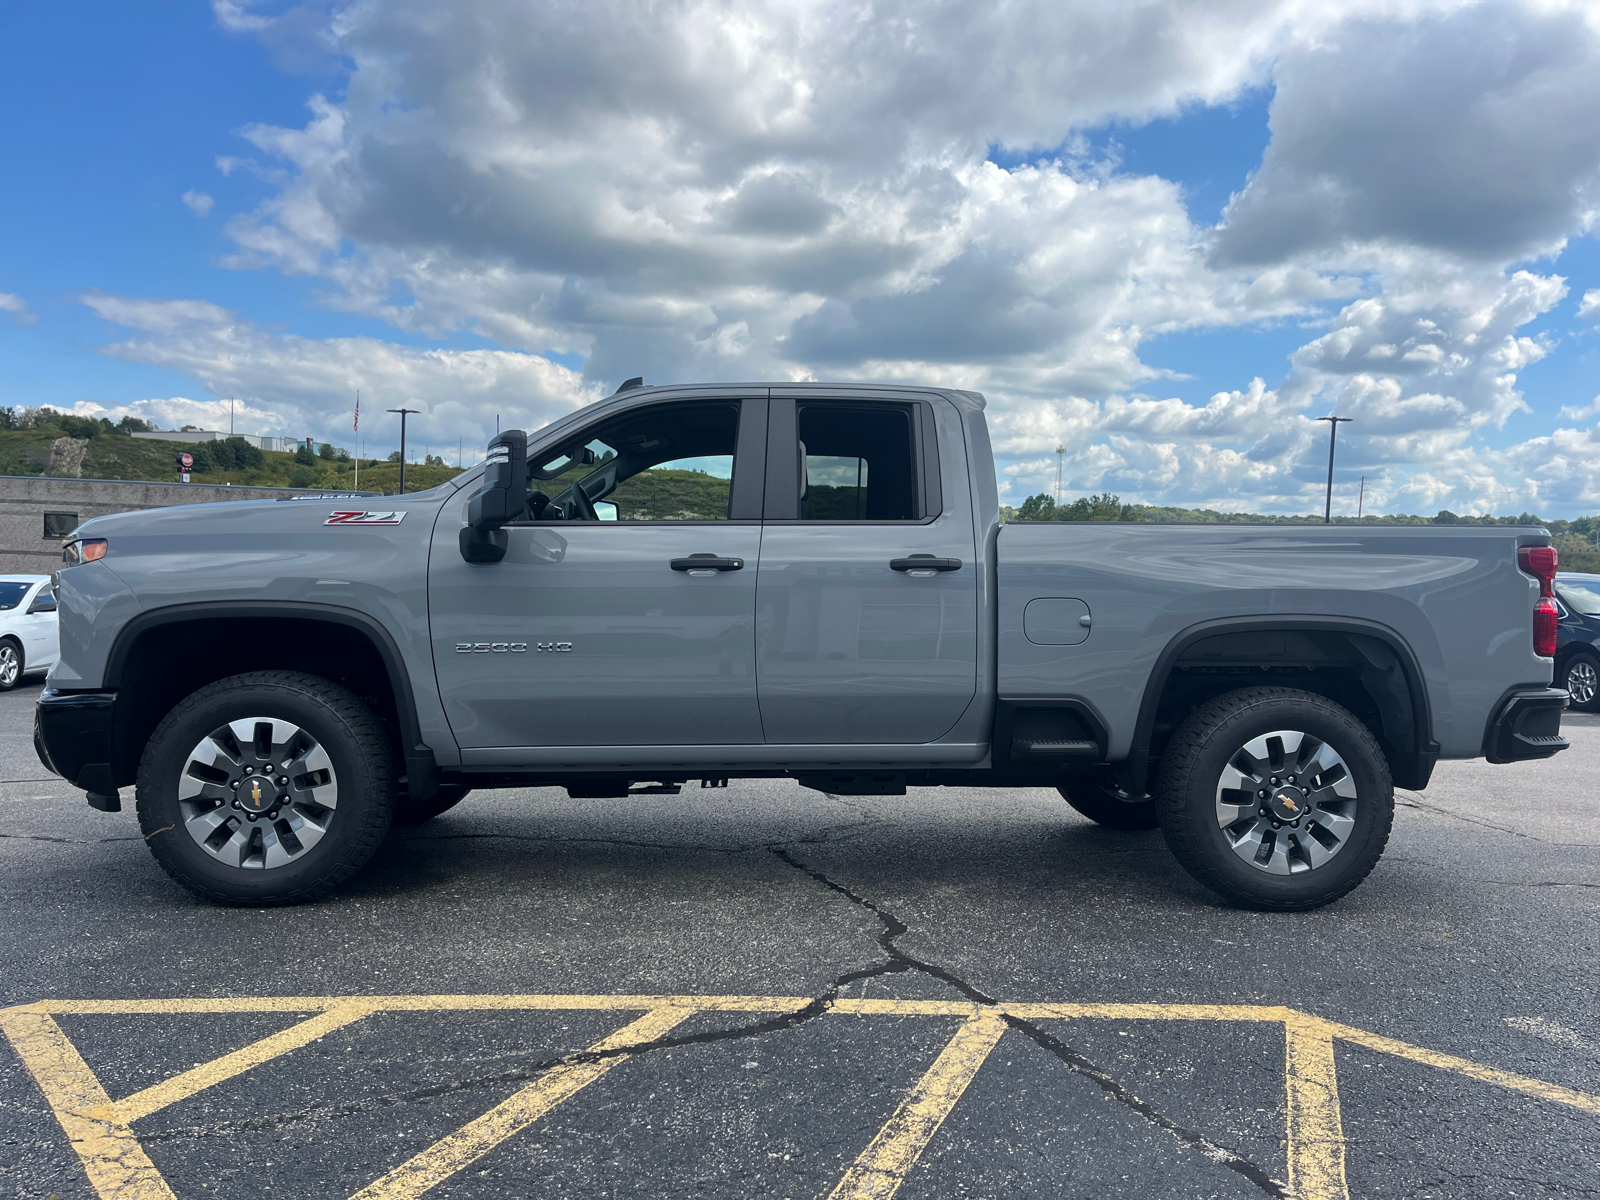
(1581, 597)
(11, 594)
(59, 524)
(857, 463)
(664, 462)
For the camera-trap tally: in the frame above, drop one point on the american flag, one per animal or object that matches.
(357, 426)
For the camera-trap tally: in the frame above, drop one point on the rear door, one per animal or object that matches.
(866, 604)
(603, 632)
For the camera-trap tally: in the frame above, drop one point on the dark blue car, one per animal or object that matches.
(1578, 639)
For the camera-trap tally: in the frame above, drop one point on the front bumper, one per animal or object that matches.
(1527, 725)
(72, 734)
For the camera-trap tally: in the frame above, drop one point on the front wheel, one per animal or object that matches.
(1275, 799)
(266, 788)
(10, 664)
(1583, 681)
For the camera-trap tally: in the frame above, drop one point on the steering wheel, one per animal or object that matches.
(582, 506)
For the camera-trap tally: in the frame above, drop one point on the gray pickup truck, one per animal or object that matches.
(693, 584)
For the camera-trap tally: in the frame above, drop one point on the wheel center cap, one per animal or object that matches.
(256, 794)
(1288, 803)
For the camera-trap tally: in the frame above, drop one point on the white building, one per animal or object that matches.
(284, 445)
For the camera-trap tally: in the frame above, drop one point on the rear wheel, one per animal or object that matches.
(1275, 799)
(409, 812)
(1583, 681)
(267, 788)
(1099, 797)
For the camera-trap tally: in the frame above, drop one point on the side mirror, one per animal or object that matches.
(44, 602)
(605, 510)
(502, 497)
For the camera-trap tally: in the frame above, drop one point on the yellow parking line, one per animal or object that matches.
(1316, 1129)
(475, 1139)
(882, 1167)
(1552, 1092)
(181, 1087)
(413, 1004)
(115, 1163)
(1152, 1012)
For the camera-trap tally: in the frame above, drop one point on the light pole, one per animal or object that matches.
(1333, 437)
(403, 413)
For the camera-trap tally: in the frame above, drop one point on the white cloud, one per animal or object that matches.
(18, 308)
(784, 189)
(1589, 306)
(307, 387)
(199, 203)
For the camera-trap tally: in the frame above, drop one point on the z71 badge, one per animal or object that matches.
(365, 518)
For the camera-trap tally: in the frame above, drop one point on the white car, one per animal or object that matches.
(30, 640)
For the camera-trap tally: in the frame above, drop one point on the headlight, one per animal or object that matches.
(83, 550)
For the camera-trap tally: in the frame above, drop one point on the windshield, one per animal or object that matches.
(11, 593)
(1580, 597)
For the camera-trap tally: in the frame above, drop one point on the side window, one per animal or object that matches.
(663, 462)
(857, 462)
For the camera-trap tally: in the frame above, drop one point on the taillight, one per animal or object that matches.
(1544, 627)
(1540, 562)
(83, 550)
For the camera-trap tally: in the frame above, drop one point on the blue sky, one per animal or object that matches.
(716, 251)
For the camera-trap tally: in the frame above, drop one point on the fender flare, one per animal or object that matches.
(422, 774)
(1135, 768)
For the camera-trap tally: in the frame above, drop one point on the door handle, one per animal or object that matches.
(920, 564)
(707, 564)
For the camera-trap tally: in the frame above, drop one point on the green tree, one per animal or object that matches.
(304, 455)
(1037, 508)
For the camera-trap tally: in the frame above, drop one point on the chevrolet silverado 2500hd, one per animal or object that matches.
(692, 584)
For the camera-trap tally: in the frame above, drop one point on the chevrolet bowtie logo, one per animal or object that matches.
(255, 791)
(1289, 804)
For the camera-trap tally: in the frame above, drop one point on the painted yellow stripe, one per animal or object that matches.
(1552, 1092)
(414, 1004)
(1151, 1012)
(1316, 1129)
(117, 1166)
(475, 1139)
(882, 1167)
(181, 1087)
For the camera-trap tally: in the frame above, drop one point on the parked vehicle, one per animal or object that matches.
(805, 580)
(29, 638)
(1578, 639)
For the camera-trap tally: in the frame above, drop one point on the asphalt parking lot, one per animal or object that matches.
(764, 991)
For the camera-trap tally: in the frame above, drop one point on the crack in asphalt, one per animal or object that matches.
(1414, 801)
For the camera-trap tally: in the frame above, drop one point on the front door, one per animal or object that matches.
(867, 603)
(602, 632)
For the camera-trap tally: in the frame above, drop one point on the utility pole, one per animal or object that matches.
(1060, 451)
(1361, 497)
(404, 412)
(1333, 437)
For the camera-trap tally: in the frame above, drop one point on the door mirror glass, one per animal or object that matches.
(605, 510)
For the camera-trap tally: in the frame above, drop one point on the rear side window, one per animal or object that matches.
(857, 462)
(11, 593)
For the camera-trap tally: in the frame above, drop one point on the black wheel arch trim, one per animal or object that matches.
(1412, 772)
(421, 769)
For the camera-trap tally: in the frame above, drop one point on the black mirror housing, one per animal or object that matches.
(502, 497)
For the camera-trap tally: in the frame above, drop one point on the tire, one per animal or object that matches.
(12, 663)
(1581, 678)
(1232, 846)
(1097, 797)
(408, 813)
(330, 783)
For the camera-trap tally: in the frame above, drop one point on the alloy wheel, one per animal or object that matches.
(1583, 681)
(1286, 802)
(10, 665)
(257, 793)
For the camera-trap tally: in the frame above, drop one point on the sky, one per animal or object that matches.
(1162, 236)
